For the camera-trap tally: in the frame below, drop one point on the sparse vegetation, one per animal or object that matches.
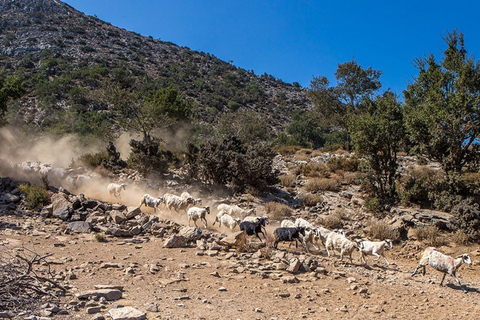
(322, 184)
(310, 199)
(287, 180)
(381, 230)
(277, 211)
(430, 235)
(36, 196)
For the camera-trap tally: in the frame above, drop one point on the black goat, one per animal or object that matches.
(254, 228)
(289, 234)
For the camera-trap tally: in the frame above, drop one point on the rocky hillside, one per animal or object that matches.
(64, 54)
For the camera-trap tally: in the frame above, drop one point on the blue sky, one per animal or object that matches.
(296, 40)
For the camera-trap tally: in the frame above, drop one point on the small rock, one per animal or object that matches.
(126, 313)
(152, 307)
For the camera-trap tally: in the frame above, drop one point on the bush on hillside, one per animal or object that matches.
(36, 196)
(230, 162)
(467, 218)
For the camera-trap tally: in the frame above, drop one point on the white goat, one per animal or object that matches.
(187, 195)
(287, 224)
(195, 213)
(443, 263)
(299, 222)
(150, 201)
(339, 242)
(227, 220)
(177, 203)
(114, 189)
(374, 248)
(234, 210)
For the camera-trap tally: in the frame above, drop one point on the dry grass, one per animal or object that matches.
(310, 199)
(333, 221)
(314, 170)
(287, 180)
(460, 237)
(381, 230)
(430, 235)
(100, 237)
(351, 178)
(277, 211)
(343, 164)
(322, 184)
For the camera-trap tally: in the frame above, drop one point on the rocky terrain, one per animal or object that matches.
(104, 257)
(59, 51)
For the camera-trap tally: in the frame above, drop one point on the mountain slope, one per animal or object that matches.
(59, 50)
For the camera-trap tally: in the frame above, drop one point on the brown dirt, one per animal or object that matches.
(187, 285)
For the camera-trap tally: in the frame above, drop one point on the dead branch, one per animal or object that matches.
(25, 277)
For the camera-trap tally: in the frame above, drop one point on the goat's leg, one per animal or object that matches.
(362, 257)
(458, 281)
(386, 261)
(443, 278)
(416, 269)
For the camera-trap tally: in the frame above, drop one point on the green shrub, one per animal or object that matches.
(467, 218)
(37, 196)
(232, 162)
(374, 205)
(93, 160)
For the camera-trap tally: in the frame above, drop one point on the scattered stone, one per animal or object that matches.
(176, 241)
(132, 212)
(294, 265)
(152, 307)
(108, 286)
(343, 308)
(222, 289)
(93, 310)
(80, 226)
(109, 294)
(126, 313)
(117, 216)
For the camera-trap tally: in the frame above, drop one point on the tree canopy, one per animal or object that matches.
(442, 111)
(378, 134)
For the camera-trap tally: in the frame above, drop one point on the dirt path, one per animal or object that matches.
(188, 284)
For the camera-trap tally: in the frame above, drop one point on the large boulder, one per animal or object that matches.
(80, 227)
(176, 241)
(61, 207)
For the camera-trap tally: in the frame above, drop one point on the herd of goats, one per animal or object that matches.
(296, 231)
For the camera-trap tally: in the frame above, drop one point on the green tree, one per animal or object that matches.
(378, 134)
(327, 103)
(248, 126)
(334, 105)
(442, 110)
(305, 130)
(10, 88)
(355, 83)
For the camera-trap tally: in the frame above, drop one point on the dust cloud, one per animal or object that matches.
(23, 157)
